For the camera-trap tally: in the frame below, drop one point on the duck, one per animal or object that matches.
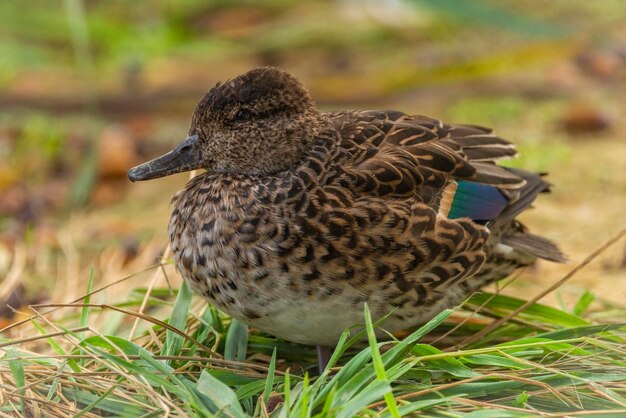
(302, 217)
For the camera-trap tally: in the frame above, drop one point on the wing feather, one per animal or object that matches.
(397, 155)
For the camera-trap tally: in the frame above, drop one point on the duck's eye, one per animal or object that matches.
(243, 115)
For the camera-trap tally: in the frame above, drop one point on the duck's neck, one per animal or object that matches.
(208, 194)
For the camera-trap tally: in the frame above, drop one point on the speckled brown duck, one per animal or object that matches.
(301, 217)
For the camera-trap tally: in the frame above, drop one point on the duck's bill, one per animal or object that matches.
(185, 157)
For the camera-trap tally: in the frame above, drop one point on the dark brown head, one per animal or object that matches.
(259, 123)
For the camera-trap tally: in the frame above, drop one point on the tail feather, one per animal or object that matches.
(535, 245)
(503, 178)
(480, 144)
(526, 195)
(491, 153)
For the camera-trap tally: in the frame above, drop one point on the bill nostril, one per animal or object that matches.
(185, 148)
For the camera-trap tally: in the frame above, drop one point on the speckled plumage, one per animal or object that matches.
(302, 216)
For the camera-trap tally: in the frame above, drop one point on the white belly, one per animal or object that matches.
(316, 322)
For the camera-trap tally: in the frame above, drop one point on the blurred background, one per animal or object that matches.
(91, 88)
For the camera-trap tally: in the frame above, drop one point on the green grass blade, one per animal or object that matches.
(356, 374)
(340, 348)
(174, 342)
(300, 396)
(114, 406)
(328, 402)
(411, 408)
(379, 368)
(221, 395)
(583, 303)
(286, 409)
(180, 386)
(536, 312)
(305, 404)
(449, 365)
(57, 348)
(577, 332)
(53, 388)
(372, 393)
(269, 381)
(236, 345)
(352, 376)
(16, 365)
(248, 390)
(231, 378)
(399, 350)
(84, 314)
(112, 344)
(97, 401)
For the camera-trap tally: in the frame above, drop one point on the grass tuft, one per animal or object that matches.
(187, 359)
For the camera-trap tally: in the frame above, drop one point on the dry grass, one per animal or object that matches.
(500, 354)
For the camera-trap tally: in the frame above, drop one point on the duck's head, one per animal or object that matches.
(258, 123)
